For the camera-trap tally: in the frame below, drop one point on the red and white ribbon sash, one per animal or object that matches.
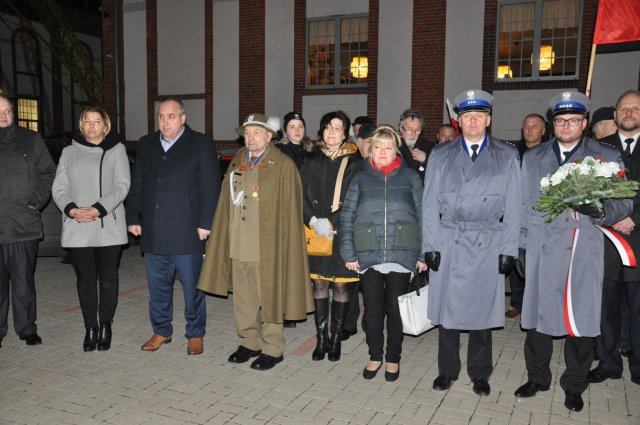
(626, 255)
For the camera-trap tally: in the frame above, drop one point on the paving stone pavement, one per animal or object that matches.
(57, 383)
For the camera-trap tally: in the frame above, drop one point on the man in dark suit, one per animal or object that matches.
(174, 191)
(619, 280)
(414, 149)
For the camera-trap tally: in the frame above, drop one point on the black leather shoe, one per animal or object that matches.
(90, 339)
(573, 401)
(392, 376)
(597, 375)
(530, 389)
(443, 383)
(370, 374)
(242, 355)
(31, 339)
(635, 379)
(625, 352)
(104, 336)
(481, 386)
(289, 324)
(265, 362)
(346, 334)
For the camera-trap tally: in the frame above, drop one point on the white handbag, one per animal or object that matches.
(413, 311)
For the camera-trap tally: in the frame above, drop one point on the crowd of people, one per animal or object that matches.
(391, 204)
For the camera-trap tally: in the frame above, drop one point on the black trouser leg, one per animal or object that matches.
(479, 354)
(517, 289)
(578, 356)
(21, 261)
(625, 321)
(108, 261)
(608, 342)
(84, 263)
(448, 352)
(372, 284)
(353, 311)
(395, 285)
(633, 298)
(5, 293)
(538, 349)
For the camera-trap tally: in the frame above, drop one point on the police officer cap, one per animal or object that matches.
(473, 100)
(569, 102)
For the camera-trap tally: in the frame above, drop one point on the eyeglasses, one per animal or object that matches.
(412, 130)
(561, 122)
(333, 129)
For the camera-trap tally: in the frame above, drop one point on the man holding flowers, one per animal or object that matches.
(564, 254)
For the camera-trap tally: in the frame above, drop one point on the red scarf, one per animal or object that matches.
(386, 169)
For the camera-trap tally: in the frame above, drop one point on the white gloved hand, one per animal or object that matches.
(322, 226)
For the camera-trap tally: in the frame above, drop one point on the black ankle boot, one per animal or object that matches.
(104, 338)
(90, 338)
(338, 316)
(321, 317)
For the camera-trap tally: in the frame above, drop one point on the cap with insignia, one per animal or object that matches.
(258, 120)
(570, 102)
(473, 100)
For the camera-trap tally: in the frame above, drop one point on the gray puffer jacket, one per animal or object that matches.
(381, 218)
(97, 176)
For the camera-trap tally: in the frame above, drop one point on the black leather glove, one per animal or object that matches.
(520, 263)
(590, 210)
(505, 263)
(432, 258)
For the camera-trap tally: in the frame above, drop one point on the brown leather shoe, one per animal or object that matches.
(195, 346)
(155, 342)
(512, 313)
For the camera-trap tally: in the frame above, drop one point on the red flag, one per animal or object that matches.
(617, 21)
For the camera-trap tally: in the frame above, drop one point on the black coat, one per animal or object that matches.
(612, 263)
(174, 193)
(26, 176)
(319, 174)
(422, 144)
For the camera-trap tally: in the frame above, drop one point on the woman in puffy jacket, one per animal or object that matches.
(319, 178)
(380, 239)
(91, 183)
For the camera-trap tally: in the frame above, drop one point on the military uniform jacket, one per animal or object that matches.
(612, 263)
(470, 214)
(548, 245)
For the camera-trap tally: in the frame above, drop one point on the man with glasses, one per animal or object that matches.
(414, 149)
(564, 258)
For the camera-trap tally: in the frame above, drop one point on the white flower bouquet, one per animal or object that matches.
(589, 181)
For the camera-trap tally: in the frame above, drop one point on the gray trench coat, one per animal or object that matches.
(546, 306)
(471, 213)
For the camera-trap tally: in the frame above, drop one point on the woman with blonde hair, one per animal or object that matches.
(91, 184)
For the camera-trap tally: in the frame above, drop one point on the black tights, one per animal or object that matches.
(321, 290)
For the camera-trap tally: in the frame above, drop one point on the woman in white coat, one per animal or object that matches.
(91, 184)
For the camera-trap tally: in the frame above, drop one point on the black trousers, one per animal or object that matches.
(517, 289)
(380, 293)
(97, 266)
(17, 264)
(479, 356)
(608, 343)
(578, 356)
(353, 310)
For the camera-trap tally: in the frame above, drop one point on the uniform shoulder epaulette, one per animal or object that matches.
(506, 143)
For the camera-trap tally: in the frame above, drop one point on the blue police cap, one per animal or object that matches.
(473, 100)
(570, 102)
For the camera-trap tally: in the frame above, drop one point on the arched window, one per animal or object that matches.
(27, 78)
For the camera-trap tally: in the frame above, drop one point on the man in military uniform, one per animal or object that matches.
(558, 303)
(470, 216)
(257, 247)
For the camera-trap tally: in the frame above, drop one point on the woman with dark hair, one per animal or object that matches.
(295, 143)
(91, 183)
(380, 239)
(327, 172)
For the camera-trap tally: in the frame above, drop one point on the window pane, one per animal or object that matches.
(28, 113)
(559, 41)
(354, 63)
(320, 51)
(515, 40)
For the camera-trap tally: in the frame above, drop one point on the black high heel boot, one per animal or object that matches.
(104, 337)
(90, 338)
(321, 317)
(338, 316)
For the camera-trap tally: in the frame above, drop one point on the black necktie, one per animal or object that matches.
(627, 149)
(566, 155)
(474, 155)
